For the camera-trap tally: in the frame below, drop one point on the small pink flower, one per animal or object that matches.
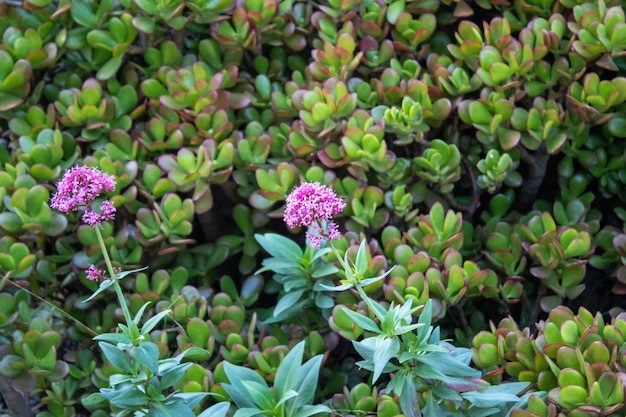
(313, 205)
(107, 212)
(78, 188)
(95, 274)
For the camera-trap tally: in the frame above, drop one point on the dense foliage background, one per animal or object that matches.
(479, 146)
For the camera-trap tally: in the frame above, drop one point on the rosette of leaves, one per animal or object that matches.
(171, 219)
(409, 32)
(261, 22)
(196, 171)
(601, 33)
(445, 283)
(437, 231)
(46, 152)
(514, 351)
(416, 115)
(297, 275)
(337, 8)
(155, 13)
(252, 153)
(239, 32)
(335, 61)
(366, 260)
(559, 254)
(388, 89)
(373, 22)
(501, 71)
(321, 108)
(541, 124)
(95, 111)
(491, 115)
(29, 45)
(273, 185)
(496, 169)
(366, 206)
(439, 164)
(32, 121)
(15, 79)
(546, 36)
(16, 259)
(362, 147)
(452, 79)
(401, 201)
(470, 39)
(376, 54)
(185, 301)
(190, 89)
(594, 100)
(165, 132)
(160, 286)
(503, 249)
(98, 42)
(126, 384)
(27, 213)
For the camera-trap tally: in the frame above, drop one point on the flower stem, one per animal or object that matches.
(116, 283)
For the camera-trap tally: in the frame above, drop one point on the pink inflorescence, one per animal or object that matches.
(78, 188)
(107, 212)
(95, 274)
(311, 205)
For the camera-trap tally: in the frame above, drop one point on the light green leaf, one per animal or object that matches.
(117, 357)
(287, 372)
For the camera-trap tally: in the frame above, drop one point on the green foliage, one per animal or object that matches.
(299, 274)
(292, 393)
(569, 359)
(478, 147)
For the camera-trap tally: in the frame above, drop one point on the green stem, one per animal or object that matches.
(116, 283)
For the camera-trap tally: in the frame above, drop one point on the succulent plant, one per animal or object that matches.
(189, 171)
(335, 61)
(29, 45)
(570, 358)
(15, 77)
(594, 99)
(491, 115)
(496, 169)
(440, 164)
(190, 89)
(599, 30)
(95, 111)
(168, 220)
(321, 108)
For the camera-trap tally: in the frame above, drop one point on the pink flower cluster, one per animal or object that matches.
(78, 188)
(95, 274)
(313, 205)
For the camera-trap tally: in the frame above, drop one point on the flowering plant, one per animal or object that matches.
(143, 380)
(313, 205)
(429, 374)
